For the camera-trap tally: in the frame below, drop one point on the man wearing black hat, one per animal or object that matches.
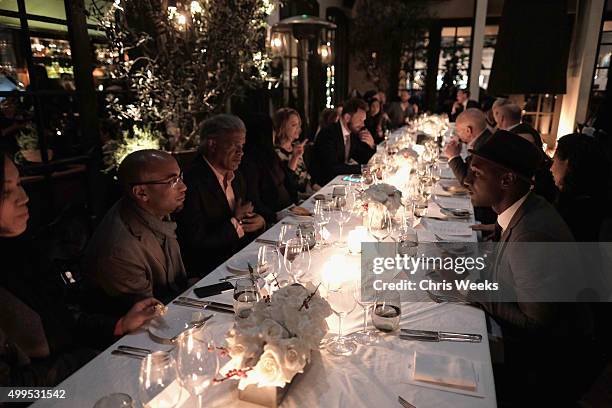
(534, 327)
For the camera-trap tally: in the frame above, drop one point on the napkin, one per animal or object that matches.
(443, 370)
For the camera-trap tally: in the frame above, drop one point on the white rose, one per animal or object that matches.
(269, 368)
(295, 355)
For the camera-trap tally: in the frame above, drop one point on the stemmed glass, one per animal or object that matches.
(379, 222)
(157, 373)
(269, 257)
(196, 361)
(297, 258)
(342, 301)
(322, 216)
(364, 336)
(342, 215)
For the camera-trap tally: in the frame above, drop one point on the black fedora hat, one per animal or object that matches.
(512, 152)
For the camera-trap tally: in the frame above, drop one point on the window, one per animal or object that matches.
(602, 64)
(454, 61)
(488, 51)
(413, 63)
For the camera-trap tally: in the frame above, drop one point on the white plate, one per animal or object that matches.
(239, 264)
(173, 322)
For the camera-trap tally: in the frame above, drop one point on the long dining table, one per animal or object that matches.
(374, 376)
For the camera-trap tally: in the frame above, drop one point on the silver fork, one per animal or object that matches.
(404, 403)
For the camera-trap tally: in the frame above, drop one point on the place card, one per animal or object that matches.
(454, 202)
(452, 228)
(444, 370)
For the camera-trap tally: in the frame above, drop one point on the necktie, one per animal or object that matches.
(498, 232)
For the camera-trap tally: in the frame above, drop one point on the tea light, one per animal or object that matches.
(355, 238)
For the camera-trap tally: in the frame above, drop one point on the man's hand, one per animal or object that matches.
(456, 106)
(366, 137)
(253, 223)
(139, 314)
(452, 149)
(242, 210)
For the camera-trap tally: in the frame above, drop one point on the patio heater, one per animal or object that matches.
(306, 30)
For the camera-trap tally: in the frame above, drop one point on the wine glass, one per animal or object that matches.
(364, 336)
(196, 361)
(379, 221)
(246, 293)
(387, 311)
(322, 216)
(341, 215)
(157, 374)
(367, 177)
(297, 258)
(342, 301)
(269, 258)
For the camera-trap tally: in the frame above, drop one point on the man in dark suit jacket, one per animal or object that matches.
(462, 103)
(508, 116)
(471, 128)
(534, 278)
(216, 220)
(342, 142)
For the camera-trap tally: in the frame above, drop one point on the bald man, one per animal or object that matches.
(508, 116)
(134, 252)
(471, 129)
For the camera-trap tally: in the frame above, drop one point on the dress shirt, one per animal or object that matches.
(469, 145)
(513, 126)
(226, 185)
(346, 134)
(505, 217)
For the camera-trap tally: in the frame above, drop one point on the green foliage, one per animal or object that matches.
(181, 65)
(380, 32)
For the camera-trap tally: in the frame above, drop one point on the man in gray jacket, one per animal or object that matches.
(537, 267)
(134, 253)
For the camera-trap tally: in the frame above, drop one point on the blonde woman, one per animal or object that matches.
(287, 129)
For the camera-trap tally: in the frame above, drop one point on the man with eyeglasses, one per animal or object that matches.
(134, 252)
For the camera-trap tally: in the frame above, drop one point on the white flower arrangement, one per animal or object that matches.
(273, 344)
(385, 194)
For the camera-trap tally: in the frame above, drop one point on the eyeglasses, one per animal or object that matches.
(173, 182)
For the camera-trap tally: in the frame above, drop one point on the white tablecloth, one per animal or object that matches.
(373, 377)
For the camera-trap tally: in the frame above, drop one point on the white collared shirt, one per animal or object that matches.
(505, 217)
(513, 126)
(226, 185)
(346, 134)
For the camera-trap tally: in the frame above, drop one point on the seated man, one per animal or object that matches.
(462, 103)
(217, 221)
(134, 252)
(471, 128)
(344, 141)
(534, 279)
(508, 116)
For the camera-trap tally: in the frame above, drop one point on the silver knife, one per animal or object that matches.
(267, 241)
(205, 302)
(427, 335)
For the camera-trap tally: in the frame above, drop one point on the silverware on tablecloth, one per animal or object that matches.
(450, 299)
(266, 241)
(404, 403)
(222, 309)
(134, 349)
(209, 303)
(428, 335)
(123, 353)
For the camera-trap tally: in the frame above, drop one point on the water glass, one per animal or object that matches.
(407, 241)
(379, 221)
(196, 361)
(341, 298)
(157, 374)
(342, 215)
(387, 311)
(364, 336)
(246, 294)
(297, 258)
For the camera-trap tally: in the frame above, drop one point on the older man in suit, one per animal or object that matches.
(508, 116)
(343, 146)
(217, 220)
(471, 129)
(134, 253)
(534, 278)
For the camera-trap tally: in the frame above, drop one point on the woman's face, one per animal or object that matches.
(559, 170)
(13, 203)
(293, 128)
(374, 108)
